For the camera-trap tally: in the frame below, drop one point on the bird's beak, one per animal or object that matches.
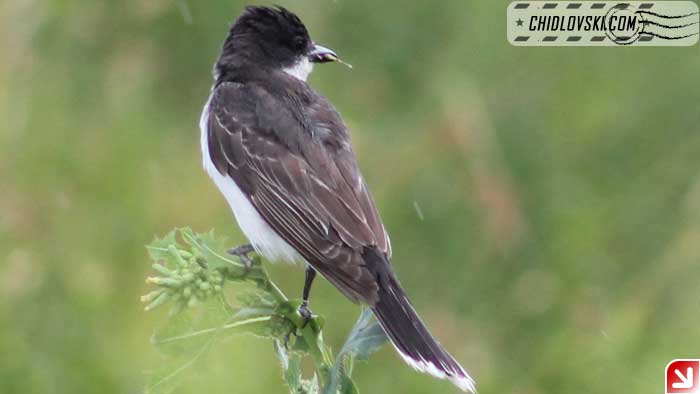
(322, 55)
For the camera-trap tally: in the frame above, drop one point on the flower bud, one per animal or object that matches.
(162, 269)
(151, 296)
(164, 296)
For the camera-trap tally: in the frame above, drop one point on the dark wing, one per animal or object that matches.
(296, 165)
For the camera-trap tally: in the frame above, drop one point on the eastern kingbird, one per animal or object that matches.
(281, 155)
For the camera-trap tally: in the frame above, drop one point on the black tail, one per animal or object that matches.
(411, 337)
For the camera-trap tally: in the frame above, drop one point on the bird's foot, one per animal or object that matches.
(305, 313)
(242, 253)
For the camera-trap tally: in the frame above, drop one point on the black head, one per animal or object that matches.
(270, 37)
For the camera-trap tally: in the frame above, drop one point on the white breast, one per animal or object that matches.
(259, 233)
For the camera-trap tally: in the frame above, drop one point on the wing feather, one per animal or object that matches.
(304, 183)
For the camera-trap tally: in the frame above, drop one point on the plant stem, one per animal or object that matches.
(319, 352)
(310, 331)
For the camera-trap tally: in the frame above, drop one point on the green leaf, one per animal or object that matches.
(184, 342)
(186, 332)
(211, 248)
(165, 379)
(365, 338)
(311, 386)
(256, 299)
(158, 248)
(248, 313)
(168, 376)
(291, 366)
(347, 386)
(176, 326)
(272, 328)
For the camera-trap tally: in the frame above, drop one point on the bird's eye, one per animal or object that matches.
(299, 43)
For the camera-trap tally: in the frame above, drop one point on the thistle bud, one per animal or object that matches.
(164, 296)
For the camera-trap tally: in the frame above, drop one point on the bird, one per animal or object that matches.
(282, 157)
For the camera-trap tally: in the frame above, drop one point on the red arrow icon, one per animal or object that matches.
(682, 376)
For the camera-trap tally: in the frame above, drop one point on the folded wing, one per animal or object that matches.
(296, 166)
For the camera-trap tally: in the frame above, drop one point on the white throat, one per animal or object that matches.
(301, 69)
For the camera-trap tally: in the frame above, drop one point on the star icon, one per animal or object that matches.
(519, 22)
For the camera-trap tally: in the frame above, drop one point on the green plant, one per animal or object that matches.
(194, 269)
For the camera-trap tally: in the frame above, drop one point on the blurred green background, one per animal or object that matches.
(543, 203)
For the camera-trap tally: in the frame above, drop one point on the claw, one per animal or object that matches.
(305, 313)
(242, 252)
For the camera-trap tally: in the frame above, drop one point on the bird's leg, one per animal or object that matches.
(242, 253)
(304, 307)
